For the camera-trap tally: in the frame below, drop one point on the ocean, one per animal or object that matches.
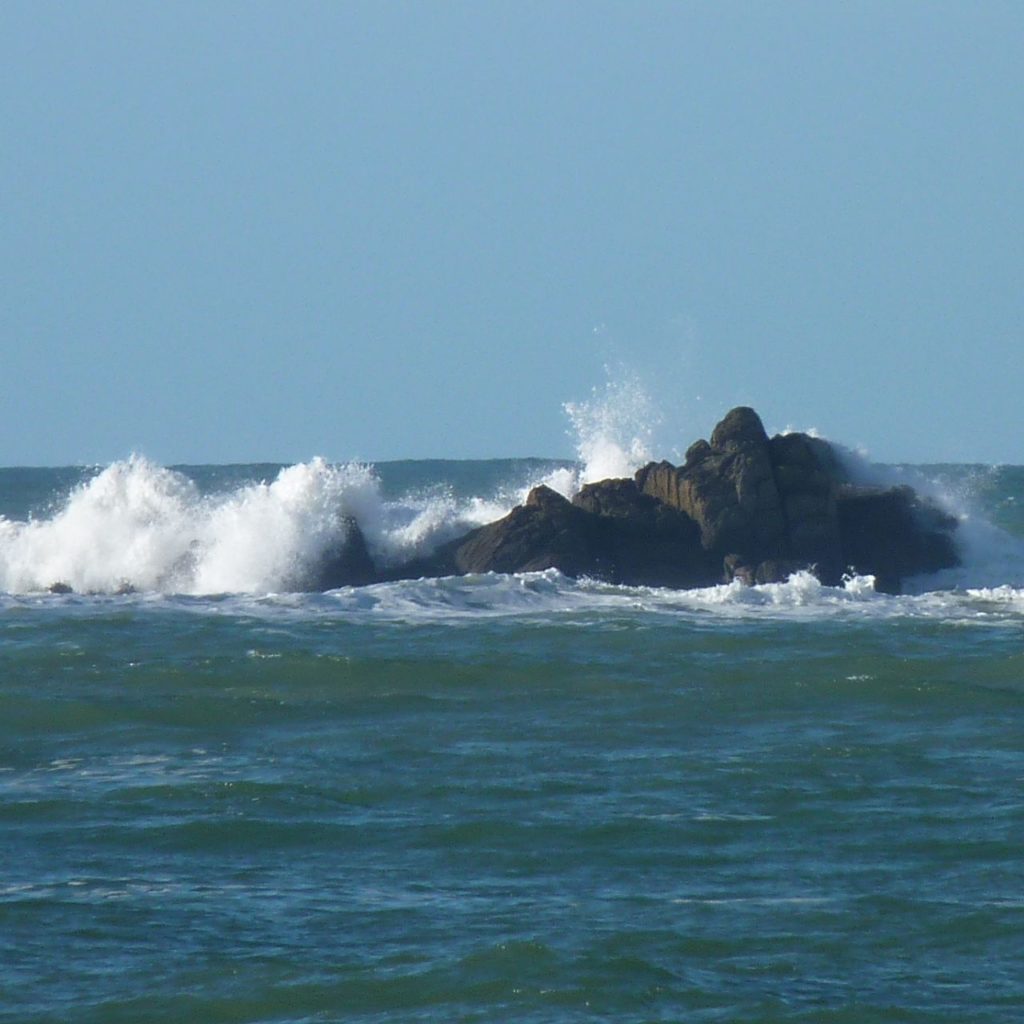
(492, 798)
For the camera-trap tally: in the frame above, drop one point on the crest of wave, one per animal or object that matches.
(269, 536)
(130, 523)
(141, 525)
(613, 432)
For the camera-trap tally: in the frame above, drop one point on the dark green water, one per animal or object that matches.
(501, 799)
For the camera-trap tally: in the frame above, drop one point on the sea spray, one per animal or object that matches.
(270, 536)
(136, 525)
(130, 525)
(612, 432)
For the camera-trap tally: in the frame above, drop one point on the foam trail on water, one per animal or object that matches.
(541, 595)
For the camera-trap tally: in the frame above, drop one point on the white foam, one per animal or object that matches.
(137, 525)
(129, 523)
(549, 596)
(140, 525)
(269, 536)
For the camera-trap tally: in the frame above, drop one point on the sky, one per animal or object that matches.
(235, 232)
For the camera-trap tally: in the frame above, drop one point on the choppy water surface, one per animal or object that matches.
(504, 798)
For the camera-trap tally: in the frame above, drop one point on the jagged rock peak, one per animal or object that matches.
(740, 427)
(544, 497)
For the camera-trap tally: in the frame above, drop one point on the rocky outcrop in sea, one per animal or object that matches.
(742, 506)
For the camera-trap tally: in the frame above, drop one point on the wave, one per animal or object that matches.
(549, 594)
(991, 557)
(139, 526)
(548, 597)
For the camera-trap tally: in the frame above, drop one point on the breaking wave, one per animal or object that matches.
(138, 526)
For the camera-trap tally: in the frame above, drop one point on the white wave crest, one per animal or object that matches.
(137, 525)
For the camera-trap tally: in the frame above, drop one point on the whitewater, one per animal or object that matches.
(137, 528)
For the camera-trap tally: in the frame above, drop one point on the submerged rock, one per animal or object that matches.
(349, 564)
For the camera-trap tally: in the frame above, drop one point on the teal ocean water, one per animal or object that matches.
(491, 798)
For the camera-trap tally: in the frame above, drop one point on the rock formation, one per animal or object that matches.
(610, 531)
(893, 533)
(742, 506)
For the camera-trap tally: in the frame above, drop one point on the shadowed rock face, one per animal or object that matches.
(740, 507)
(610, 532)
(893, 533)
(807, 477)
(547, 532)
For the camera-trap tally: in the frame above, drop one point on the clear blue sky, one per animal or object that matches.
(261, 231)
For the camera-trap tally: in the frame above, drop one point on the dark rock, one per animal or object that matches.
(728, 488)
(663, 481)
(650, 543)
(624, 499)
(611, 532)
(741, 507)
(548, 532)
(771, 570)
(808, 480)
(734, 567)
(740, 427)
(771, 507)
(696, 452)
(778, 570)
(349, 565)
(547, 499)
(60, 588)
(892, 533)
